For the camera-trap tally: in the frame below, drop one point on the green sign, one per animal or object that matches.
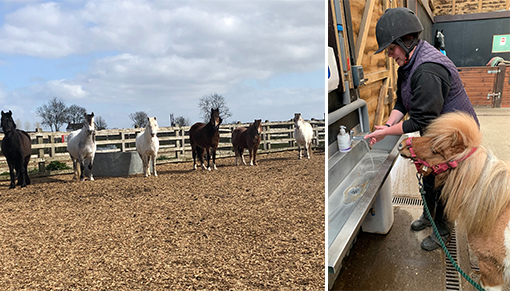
(501, 43)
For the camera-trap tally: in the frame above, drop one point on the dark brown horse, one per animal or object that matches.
(17, 148)
(205, 137)
(247, 138)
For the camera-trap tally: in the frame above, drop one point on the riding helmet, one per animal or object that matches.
(394, 24)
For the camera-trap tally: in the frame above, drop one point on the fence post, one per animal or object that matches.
(40, 140)
(177, 144)
(267, 139)
(123, 141)
(183, 142)
(52, 145)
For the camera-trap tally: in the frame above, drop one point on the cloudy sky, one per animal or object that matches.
(116, 57)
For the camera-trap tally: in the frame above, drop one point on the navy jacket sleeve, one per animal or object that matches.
(430, 86)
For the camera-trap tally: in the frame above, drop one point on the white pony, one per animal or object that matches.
(147, 146)
(81, 145)
(303, 133)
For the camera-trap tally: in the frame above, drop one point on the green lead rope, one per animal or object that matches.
(436, 232)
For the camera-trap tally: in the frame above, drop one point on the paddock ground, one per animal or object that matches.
(237, 228)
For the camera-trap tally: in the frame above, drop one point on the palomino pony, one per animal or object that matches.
(476, 189)
(17, 148)
(81, 145)
(247, 138)
(147, 145)
(205, 137)
(303, 133)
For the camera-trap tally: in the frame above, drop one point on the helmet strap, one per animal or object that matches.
(409, 49)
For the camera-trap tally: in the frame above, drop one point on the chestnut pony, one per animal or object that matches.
(247, 138)
(206, 137)
(17, 148)
(476, 189)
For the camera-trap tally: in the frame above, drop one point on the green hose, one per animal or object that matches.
(436, 232)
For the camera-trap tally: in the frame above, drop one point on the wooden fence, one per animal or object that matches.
(174, 143)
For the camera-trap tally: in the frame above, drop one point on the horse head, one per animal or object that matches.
(7, 122)
(448, 140)
(152, 126)
(298, 120)
(89, 126)
(439, 40)
(257, 126)
(215, 118)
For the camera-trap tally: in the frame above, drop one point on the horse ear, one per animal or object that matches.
(155, 118)
(441, 31)
(92, 114)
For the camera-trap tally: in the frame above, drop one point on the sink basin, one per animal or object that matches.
(354, 180)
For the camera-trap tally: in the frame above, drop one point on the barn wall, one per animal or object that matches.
(449, 7)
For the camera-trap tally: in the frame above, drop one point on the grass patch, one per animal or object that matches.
(56, 165)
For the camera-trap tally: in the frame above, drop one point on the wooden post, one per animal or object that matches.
(177, 144)
(52, 145)
(499, 82)
(379, 111)
(40, 140)
(123, 142)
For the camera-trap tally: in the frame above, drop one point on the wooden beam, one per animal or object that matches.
(363, 30)
(453, 7)
(479, 6)
(340, 64)
(379, 110)
(507, 4)
(377, 76)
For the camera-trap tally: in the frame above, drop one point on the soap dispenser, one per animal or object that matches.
(344, 140)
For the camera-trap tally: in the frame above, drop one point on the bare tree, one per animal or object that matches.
(100, 123)
(53, 114)
(18, 123)
(181, 121)
(37, 125)
(27, 126)
(76, 114)
(213, 101)
(139, 119)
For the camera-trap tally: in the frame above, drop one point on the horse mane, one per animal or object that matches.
(476, 191)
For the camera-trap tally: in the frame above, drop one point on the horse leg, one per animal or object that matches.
(255, 156)
(299, 150)
(27, 179)
(153, 159)
(251, 156)
(12, 175)
(241, 153)
(208, 152)
(194, 154)
(308, 146)
(21, 173)
(214, 158)
(82, 169)
(90, 164)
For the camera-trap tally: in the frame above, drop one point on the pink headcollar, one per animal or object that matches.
(436, 169)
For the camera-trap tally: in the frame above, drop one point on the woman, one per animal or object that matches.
(428, 85)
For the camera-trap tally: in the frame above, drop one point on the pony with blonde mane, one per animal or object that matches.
(303, 133)
(81, 145)
(147, 146)
(475, 189)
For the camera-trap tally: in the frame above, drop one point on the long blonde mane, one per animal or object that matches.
(475, 192)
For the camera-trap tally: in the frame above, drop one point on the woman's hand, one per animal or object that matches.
(377, 135)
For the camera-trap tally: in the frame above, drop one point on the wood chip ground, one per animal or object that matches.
(237, 228)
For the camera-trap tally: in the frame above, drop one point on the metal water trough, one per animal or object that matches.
(114, 164)
(359, 189)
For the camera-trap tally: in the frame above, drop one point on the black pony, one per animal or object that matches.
(17, 148)
(205, 137)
